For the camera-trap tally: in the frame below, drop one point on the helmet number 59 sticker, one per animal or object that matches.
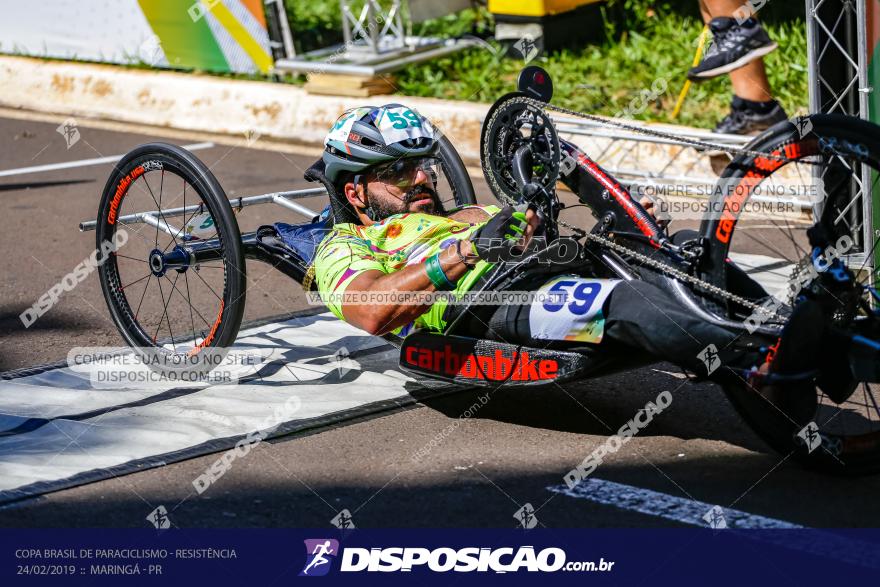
(404, 119)
(400, 123)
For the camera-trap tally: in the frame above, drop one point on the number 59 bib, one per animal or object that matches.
(570, 308)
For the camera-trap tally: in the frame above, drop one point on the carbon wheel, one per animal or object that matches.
(759, 221)
(159, 296)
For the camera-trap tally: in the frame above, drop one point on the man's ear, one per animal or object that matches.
(354, 194)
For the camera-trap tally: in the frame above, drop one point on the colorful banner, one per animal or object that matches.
(210, 35)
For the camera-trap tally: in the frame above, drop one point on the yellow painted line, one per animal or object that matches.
(261, 59)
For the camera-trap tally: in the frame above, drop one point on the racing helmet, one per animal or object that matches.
(367, 136)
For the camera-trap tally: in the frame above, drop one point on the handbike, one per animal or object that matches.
(200, 263)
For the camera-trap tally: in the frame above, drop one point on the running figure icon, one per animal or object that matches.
(320, 552)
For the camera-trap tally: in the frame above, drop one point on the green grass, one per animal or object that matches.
(607, 78)
(644, 42)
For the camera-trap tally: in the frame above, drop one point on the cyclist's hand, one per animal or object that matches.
(535, 221)
(512, 227)
(658, 213)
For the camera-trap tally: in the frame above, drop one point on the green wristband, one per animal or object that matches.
(436, 274)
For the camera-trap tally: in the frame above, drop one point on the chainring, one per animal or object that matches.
(510, 124)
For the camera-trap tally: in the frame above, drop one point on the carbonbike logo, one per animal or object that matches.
(48, 300)
(122, 188)
(462, 560)
(642, 418)
(736, 198)
(491, 367)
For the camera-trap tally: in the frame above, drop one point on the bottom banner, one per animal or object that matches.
(444, 556)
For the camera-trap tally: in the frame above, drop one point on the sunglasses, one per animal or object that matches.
(402, 172)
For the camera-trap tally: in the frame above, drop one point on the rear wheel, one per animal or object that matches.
(821, 170)
(456, 181)
(158, 295)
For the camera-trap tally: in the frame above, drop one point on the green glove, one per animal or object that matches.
(492, 241)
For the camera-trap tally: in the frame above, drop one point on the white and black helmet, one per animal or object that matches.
(368, 136)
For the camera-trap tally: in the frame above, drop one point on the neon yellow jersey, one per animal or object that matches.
(388, 246)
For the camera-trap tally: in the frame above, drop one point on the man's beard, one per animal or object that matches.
(382, 209)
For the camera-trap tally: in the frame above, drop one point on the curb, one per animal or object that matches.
(254, 109)
(205, 103)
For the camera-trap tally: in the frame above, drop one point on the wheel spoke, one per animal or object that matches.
(122, 288)
(165, 314)
(164, 310)
(161, 214)
(189, 300)
(208, 286)
(191, 307)
(132, 258)
(146, 287)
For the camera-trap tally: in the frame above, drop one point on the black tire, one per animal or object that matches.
(456, 174)
(827, 143)
(219, 306)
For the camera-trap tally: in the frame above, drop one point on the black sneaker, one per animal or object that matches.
(733, 45)
(744, 120)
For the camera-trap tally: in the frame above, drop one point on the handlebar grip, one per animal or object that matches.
(521, 166)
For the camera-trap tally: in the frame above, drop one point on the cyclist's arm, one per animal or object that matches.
(471, 214)
(381, 318)
(385, 317)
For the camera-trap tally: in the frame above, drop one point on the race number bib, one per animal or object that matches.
(570, 308)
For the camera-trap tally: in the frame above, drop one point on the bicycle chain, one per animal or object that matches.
(647, 131)
(644, 259)
(677, 273)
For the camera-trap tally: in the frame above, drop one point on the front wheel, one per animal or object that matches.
(819, 171)
(159, 201)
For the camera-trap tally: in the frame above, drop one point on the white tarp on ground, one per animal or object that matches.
(57, 431)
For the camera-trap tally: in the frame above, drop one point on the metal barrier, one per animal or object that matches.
(838, 55)
(376, 42)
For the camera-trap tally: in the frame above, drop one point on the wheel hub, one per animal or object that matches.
(157, 263)
(177, 258)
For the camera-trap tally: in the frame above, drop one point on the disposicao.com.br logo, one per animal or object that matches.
(320, 553)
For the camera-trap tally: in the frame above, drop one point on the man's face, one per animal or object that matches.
(405, 186)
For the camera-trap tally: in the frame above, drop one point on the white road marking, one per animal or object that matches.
(821, 543)
(663, 505)
(85, 162)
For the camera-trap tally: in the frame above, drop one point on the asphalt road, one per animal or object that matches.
(486, 467)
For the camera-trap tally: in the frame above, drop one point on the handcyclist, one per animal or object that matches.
(382, 163)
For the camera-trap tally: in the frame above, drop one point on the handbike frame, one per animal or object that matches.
(196, 251)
